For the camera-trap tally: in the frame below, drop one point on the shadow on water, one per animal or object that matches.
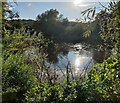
(54, 50)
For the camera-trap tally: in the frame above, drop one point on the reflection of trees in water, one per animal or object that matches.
(52, 53)
(99, 56)
(54, 50)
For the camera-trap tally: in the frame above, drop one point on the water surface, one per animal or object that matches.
(78, 57)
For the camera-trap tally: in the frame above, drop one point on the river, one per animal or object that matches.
(77, 57)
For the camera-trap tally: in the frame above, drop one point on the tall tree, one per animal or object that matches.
(49, 23)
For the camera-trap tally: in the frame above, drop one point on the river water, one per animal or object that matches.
(77, 57)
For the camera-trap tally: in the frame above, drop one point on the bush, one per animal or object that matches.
(18, 78)
(103, 80)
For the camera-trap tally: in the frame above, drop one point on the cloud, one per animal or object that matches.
(83, 5)
(72, 20)
(29, 4)
(86, 4)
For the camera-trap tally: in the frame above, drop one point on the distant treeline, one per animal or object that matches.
(59, 29)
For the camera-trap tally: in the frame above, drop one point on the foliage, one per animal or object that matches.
(63, 30)
(105, 81)
(45, 20)
(27, 79)
(101, 84)
(19, 76)
(109, 22)
(7, 13)
(16, 77)
(108, 19)
(19, 40)
(57, 93)
(73, 33)
(102, 81)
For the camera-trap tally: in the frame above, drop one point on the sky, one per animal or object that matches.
(71, 10)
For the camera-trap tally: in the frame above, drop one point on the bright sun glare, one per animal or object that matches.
(77, 2)
(77, 62)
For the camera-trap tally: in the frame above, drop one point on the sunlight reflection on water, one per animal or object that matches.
(82, 63)
(79, 58)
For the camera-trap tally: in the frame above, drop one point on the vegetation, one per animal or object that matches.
(26, 77)
(62, 30)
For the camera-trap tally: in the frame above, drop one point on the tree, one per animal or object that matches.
(51, 24)
(18, 75)
(108, 20)
(8, 14)
(103, 79)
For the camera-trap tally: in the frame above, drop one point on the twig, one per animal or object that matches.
(61, 70)
(102, 5)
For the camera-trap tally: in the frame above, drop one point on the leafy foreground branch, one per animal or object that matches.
(101, 84)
